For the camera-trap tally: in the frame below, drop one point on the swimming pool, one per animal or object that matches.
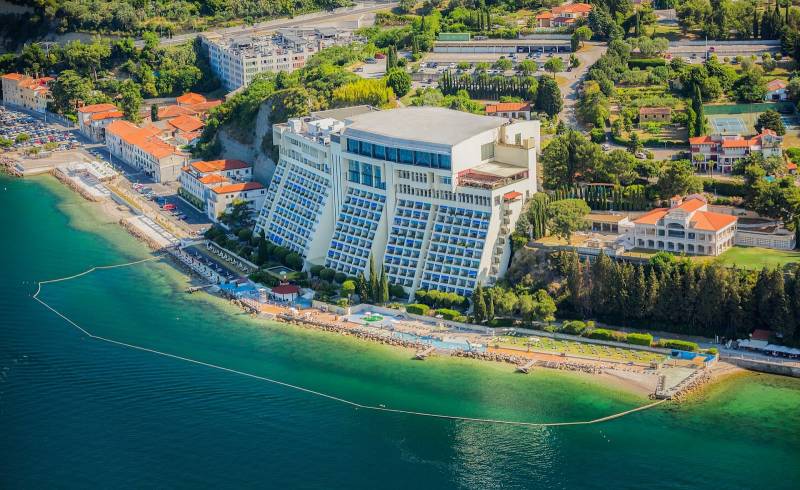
(440, 344)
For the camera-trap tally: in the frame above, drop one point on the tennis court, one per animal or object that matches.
(742, 124)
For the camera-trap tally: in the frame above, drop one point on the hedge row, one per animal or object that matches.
(725, 188)
(646, 62)
(679, 344)
(640, 339)
(604, 334)
(418, 309)
(448, 314)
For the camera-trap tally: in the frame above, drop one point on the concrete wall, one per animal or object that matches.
(765, 367)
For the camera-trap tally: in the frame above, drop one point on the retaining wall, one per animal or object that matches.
(765, 367)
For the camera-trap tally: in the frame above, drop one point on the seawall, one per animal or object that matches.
(765, 367)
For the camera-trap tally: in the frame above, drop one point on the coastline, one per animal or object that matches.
(108, 212)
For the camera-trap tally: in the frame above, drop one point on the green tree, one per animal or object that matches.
(548, 97)
(567, 216)
(68, 90)
(503, 64)
(678, 178)
(374, 281)
(554, 65)
(478, 305)
(130, 100)
(544, 308)
(399, 81)
(384, 286)
(362, 288)
(700, 118)
(567, 156)
(153, 112)
(771, 120)
(581, 35)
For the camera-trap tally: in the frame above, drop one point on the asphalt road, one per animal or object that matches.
(314, 17)
(570, 81)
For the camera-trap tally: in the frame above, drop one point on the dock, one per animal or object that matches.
(194, 289)
(421, 355)
(526, 368)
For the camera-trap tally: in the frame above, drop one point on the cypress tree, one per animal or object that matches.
(755, 24)
(478, 305)
(638, 294)
(489, 306)
(697, 106)
(362, 288)
(384, 286)
(374, 285)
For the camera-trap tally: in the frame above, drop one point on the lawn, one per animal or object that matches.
(579, 349)
(756, 257)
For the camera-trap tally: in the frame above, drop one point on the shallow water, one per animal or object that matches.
(77, 412)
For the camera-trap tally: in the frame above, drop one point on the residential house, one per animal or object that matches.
(223, 197)
(146, 149)
(510, 110)
(93, 120)
(655, 114)
(685, 227)
(25, 92)
(776, 91)
(563, 15)
(722, 152)
(198, 178)
(185, 129)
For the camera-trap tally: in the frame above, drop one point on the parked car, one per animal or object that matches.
(606, 147)
(640, 155)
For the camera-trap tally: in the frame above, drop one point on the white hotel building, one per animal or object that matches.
(432, 194)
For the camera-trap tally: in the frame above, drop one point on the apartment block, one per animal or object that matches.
(237, 60)
(431, 193)
(722, 152)
(28, 93)
(198, 179)
(93, 120)
(145, 148)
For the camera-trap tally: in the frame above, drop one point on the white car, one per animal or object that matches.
(606, 147)
(640, 155)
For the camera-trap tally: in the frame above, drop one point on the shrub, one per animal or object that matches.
(573, 327)
(397, 291)
(646, 62)
(461, 319)
(339, 277)
(598, 135)
(605, 334)
(501, 322)
(315, 270)
(730, 188)
(678, 344)
(327, 274)
(418, 309)
(448, 314)
(245, 234)
(293, 261)
(640, 339)
(712, 350)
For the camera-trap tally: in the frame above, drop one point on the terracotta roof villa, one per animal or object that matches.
(685, 227)
(144, 149)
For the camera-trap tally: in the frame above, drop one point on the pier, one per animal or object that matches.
(526, 368)
(421, 355)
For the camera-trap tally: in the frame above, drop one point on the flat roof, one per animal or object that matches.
(343, 112)
(498, 169)
(605, 218)
(434, 125)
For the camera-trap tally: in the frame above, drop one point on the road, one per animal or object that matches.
(314, 17)
(569, 82)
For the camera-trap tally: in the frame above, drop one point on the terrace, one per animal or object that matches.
(491, 175)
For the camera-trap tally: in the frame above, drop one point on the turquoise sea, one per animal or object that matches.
(77, 412)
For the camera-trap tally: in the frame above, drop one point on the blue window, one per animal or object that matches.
(379, 152)
(444, 162)
(406, 156)
(352, 146)
(366, 149)
(391, 154)
(423, 158)
(366, 174)
(377, 174)
(352, 175)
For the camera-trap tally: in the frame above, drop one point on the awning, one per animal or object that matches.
(511, 196)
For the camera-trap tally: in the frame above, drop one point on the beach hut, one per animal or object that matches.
(285, 292)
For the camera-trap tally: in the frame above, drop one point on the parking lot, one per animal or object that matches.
(20, 131)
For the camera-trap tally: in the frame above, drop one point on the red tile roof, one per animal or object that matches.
(692, 205)
(94, 108)
(759, 334)
(186, 123)
(708, 221)
(735, 143)
(239, 187)
(701, 140)
(286, 289)
(213, 179)
(145, 138)
(190, 98)
(507, 107)
(655, 110)
(573, 8)
(107, 115)
(652, 217)
(13, 76)
(776, 85)
(219, 165)
(170, 111)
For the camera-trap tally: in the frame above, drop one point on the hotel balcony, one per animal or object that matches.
(492, 175)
